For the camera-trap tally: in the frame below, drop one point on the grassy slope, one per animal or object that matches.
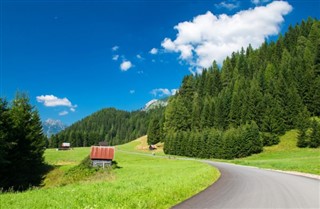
(142, 182)
(141, 145)
(286, 156)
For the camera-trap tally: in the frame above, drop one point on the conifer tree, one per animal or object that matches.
(315, 134)
(154, 131)
(25, 162)
(5, 140)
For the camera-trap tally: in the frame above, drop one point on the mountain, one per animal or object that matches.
(51, 126)
(155, 103)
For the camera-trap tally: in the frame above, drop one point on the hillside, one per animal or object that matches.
(269, 90)
(109, 124)
(143, 181)
(141, 145)
(286, 156)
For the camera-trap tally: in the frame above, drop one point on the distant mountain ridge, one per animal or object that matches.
(51, 126)
(155, 103)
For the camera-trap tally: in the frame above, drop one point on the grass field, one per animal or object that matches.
(141, 182)
(286, 156)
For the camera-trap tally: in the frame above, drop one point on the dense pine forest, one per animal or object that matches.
(256, 95)
(110, 125)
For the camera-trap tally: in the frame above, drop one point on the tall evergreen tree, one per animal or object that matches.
(154, 131)
(25, 155)
(5, 139)
(315, 134)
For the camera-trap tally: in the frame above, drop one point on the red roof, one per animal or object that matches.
(101, 153)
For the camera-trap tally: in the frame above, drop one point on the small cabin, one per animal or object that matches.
(152, 147)
(102, 156)
(65, 146)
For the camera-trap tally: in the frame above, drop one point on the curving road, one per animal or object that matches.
(248, 187)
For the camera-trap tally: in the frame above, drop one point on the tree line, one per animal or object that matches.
(274, 88)
(110, 125)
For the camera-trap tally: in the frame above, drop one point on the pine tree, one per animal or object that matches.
(196, 112)
(303, 124)
(5, 140)
(25, 155)
(154, 131)
(315, 134)
(302, 139)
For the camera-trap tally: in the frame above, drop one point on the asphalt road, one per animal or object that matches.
(247, 187)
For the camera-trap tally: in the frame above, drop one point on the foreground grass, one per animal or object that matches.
(141, 182)
(286, 156)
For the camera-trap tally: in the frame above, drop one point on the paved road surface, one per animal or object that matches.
(247, 187)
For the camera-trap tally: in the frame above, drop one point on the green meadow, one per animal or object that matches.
(285, 156)
(141, 181)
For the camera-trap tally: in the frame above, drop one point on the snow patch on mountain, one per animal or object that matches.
(152, 104)
(51, 126)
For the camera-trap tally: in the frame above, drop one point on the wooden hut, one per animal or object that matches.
(65, 146)
(102, 156)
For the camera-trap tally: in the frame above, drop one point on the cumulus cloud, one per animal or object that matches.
(154, 51)
(125, 65)
(210, 37)
(53, 101)
(163, 92)
(115, 57)
(115, 48)
(63, 113)
(228, 5)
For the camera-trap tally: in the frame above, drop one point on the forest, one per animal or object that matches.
(110, 125)
(258, 94)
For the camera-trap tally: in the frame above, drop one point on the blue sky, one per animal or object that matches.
(76, 57)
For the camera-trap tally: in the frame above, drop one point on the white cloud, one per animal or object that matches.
(63, 113)
(163, 92)
(228, 5)
(53, 101)
(72, 109)
(125, 65)
(259, 1)
(139, 57)
(154, 51)
(115, 48)
(168, 44)
(210, 37)
(115, 57)
(132, 91)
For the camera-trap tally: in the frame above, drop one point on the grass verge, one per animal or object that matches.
(285, 156)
